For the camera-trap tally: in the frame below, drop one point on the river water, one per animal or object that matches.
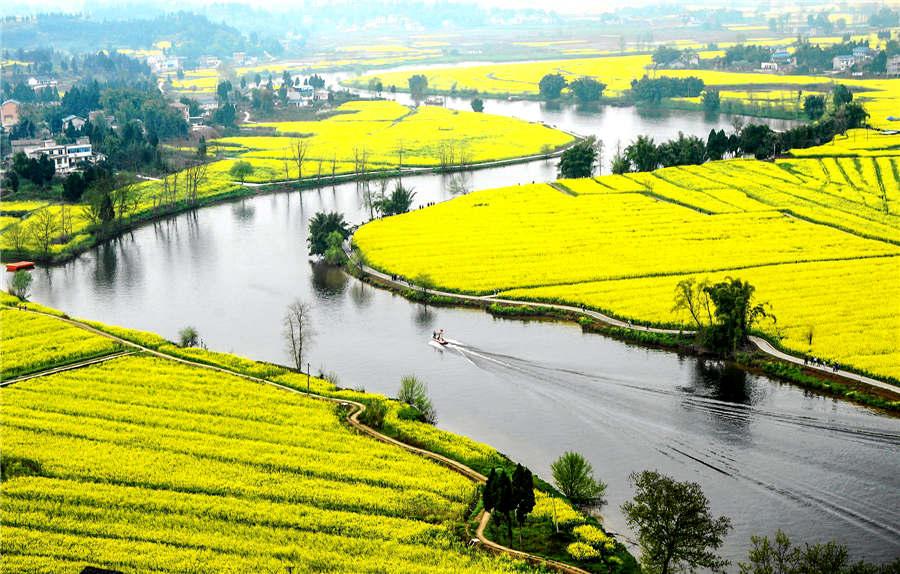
(767, 454)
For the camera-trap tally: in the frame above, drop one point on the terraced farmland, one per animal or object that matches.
(180, 468)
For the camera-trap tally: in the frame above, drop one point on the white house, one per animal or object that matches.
(768, 67)
(65, 157)
(74, 121)
(893, 66)
(842, 63)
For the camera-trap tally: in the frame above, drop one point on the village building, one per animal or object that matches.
(842, 63)
(893, 66)
(75, 121)
(9, 111)
(66, 158)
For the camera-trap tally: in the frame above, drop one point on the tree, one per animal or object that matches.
(321, 226)
(523, 493)
(716, 144)
(814, 106)
(334, 253)
(11, 182)
(297, 331)
(202, 147)
(711, 101)
(642, 154)
(579, 160)
(74, 187)
(299, 151)
(505, 502)
(587, 89)
(620, 163)
(675, 528)
(841, 95)
(20, 284)
(241, 169)
(477, 105)
(781, 556)
(691, 296)
(551, 86)
(489, 493)
(42, 229)
(735, 313)
(414, 393)
(188, 337)
(418, 84)
(399, 201)
(573, 475)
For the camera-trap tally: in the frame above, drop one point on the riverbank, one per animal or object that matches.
(763, 358)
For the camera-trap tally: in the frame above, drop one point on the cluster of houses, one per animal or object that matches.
(66, 158)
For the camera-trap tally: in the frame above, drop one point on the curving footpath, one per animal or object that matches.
(758, 342)
(352, 419)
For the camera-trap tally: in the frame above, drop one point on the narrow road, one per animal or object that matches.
(760, 343)
(352, 419)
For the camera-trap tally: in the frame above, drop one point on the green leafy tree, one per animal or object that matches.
(735, 313)
(418, 84)
(505, 503)
(523, 492)
(241, 169)
(711, 101)
(334, 253)
(781, 556)
(188, 337)
(399, 201)
(551, 86)
(202, 148)
(676, 530)
(642, 154)
(20, 284)
(814, 106)
(587, 89)
(578, 160)
(573, 475)
(321, 226)
(477, 105)
(414, 392)
(841, 95)
(489, 493)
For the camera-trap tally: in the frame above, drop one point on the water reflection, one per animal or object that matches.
(328, 280)
(243, 211)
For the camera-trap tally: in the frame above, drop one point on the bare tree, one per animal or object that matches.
(299, 151)
(65, 221)
(125, 197)
(463, 156)
(298, 331)
(16, 236)
(42, 229)
(333, 167)
(401, 150)
(195, 176)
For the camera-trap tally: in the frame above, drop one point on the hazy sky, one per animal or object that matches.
(562, 6)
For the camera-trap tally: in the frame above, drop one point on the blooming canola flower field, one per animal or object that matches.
(381, 129)
(181, 468)
(818, 236)
(880, 96)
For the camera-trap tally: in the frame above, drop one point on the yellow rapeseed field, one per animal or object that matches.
(880, 95)
(143, 463)
(380, 129)
(818, 236)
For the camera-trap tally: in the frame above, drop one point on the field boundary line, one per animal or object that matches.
(67, 367)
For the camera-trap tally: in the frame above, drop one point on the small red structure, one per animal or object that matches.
(19, 265)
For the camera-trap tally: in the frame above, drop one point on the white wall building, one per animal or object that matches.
(65, 157)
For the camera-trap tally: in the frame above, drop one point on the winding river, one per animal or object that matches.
(767, 454)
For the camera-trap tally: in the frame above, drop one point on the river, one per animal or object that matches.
(767, 454)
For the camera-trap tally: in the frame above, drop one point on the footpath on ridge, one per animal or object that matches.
(352, 419)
